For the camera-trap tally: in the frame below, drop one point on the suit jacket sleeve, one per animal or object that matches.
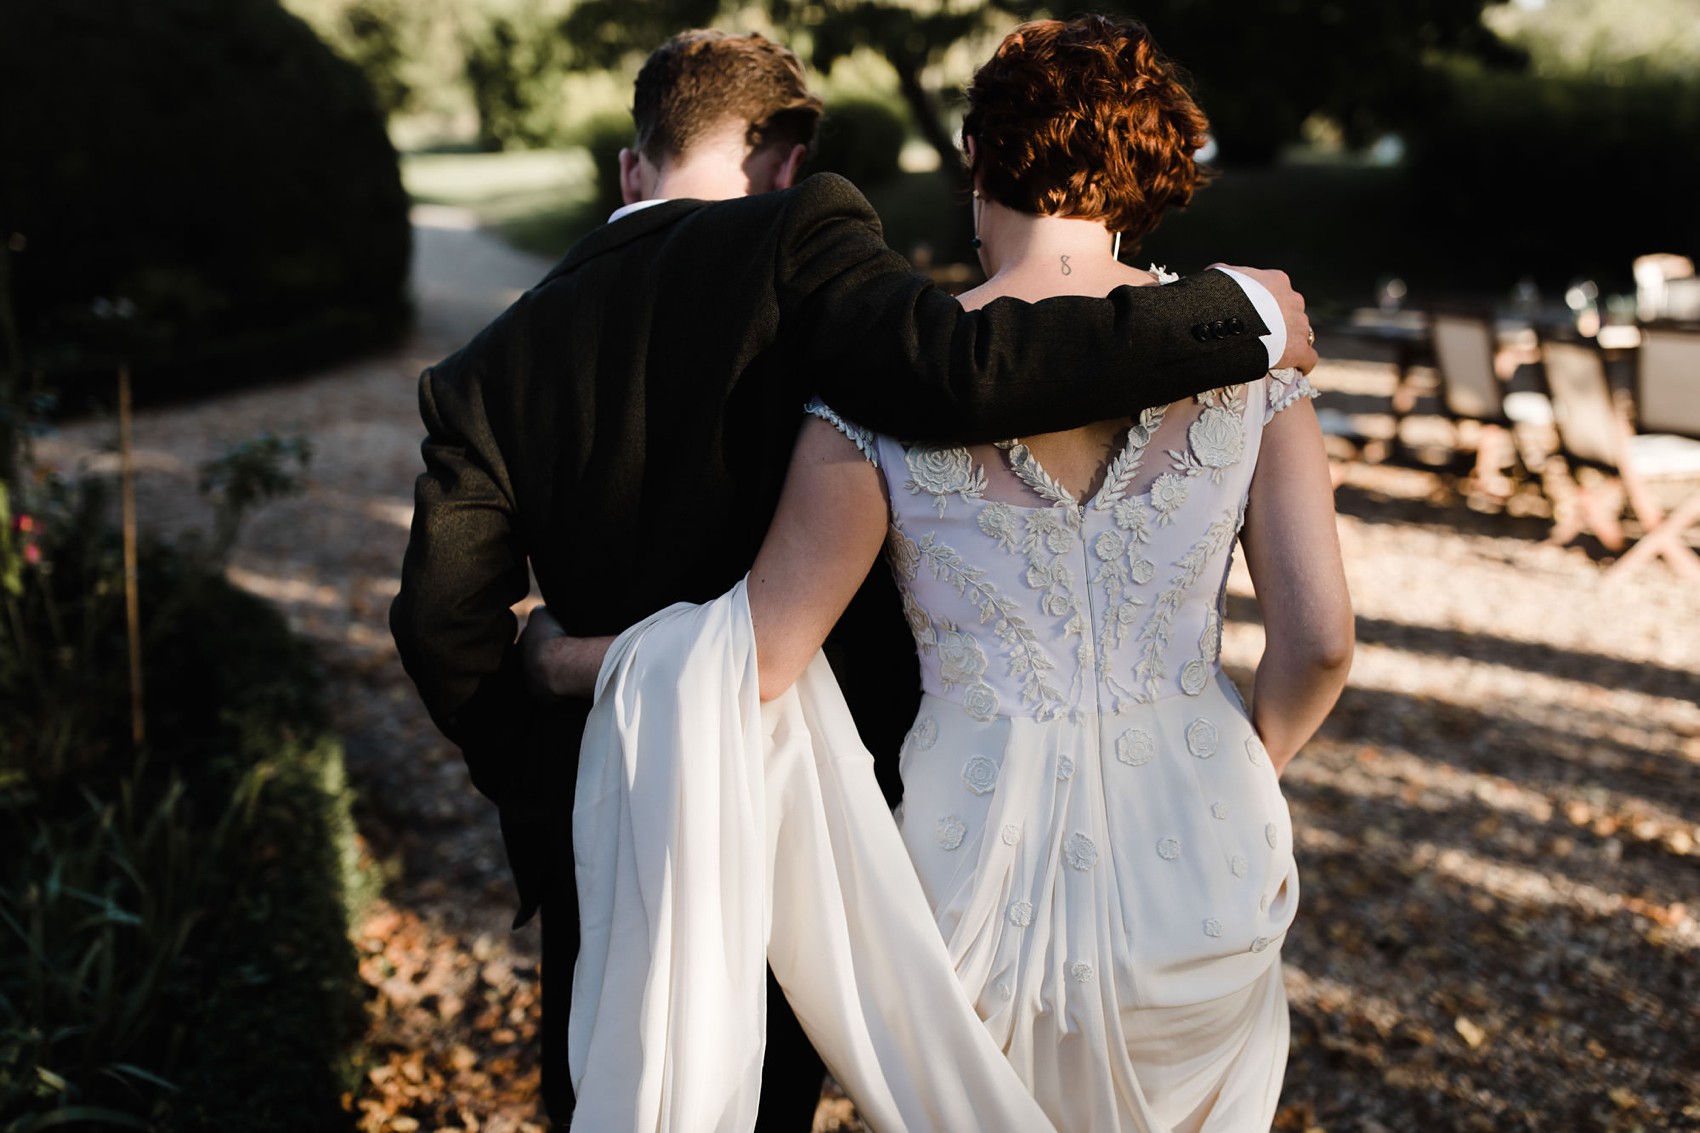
(888, 348)
(463, 571)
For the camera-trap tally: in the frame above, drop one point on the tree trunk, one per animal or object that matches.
(928, 117)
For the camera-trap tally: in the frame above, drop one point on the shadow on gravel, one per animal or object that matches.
(1442, 509)
(1408, 1045)
(1562, 763)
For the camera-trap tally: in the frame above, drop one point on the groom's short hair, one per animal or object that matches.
(700, 79)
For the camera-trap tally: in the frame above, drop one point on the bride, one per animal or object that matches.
(1093, 814)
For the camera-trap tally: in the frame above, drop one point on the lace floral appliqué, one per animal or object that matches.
(943, 470)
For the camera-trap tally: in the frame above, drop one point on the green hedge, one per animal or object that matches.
(861, 139)
(1568, 177)
(200, 186)
(174, 948)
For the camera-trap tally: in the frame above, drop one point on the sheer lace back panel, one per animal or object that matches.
(1016, 474)
(1024, 601)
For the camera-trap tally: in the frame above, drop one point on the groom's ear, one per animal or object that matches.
(631, 177)
(791, 168)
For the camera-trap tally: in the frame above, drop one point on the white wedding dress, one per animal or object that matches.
(1102, 860)
(1097, 827)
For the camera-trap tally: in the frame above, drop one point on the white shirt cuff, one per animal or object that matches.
(1267, 309)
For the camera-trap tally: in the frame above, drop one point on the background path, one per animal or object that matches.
(1499, 829)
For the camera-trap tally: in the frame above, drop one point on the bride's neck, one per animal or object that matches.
(1057, 246)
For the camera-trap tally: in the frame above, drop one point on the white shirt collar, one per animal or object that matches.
(627, 210)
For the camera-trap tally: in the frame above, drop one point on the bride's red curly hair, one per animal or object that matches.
(1085, 118)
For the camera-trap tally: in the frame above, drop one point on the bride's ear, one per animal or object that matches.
(969, 149)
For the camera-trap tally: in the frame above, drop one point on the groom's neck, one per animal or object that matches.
(716, 167)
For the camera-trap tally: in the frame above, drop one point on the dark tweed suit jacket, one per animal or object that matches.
(625, 426)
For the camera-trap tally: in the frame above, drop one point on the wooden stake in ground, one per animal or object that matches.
(132, 609)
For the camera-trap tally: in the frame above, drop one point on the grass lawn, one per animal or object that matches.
(499, 186)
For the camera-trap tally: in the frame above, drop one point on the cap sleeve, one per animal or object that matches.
(1285, 388)
(862, 438)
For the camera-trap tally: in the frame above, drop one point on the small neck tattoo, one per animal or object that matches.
(1066, 270)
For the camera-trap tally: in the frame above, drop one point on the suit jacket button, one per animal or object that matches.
(1201, 332)
(1218, 329)
(1236, 325)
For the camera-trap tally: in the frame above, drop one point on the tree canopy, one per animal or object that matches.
(1263, 66)
(210, 175)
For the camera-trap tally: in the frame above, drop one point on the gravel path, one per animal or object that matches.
(1499, 828)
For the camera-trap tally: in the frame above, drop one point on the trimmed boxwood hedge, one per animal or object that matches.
(174, 926)
(192, 185)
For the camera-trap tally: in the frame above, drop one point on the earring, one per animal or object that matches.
(1116, 247)
(975, 242)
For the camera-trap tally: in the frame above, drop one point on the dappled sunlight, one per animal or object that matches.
(395, 512)
(1414, 781)
(1625, 718)
(1325, 994)
(285, 591)
(1518, 885)
(445, 216)
(144, 460)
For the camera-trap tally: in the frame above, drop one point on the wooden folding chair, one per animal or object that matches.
(1473, 373)
(1600, 446)
(1667, 380)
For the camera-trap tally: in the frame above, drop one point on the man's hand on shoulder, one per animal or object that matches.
(1301, 342)
(557, 665)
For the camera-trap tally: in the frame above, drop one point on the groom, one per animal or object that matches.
(623, 430)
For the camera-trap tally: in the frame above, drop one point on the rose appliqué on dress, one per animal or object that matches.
(1194, 676)
(1254, 750)
(1210, 641)
(1136, 748)
(902, 553)
(981, 702)
(980, 774)
(1217, 439)
(920, 625)
(1201, 738)
(923, 735)
(943, 470)
(1081, 851)
(961, 660)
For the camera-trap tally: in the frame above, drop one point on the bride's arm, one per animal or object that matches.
(826, 533)
(1293, 553)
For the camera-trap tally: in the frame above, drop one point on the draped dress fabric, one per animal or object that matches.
(716, 835)
(1094, 821)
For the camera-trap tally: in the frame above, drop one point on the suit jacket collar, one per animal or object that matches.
(632, 226)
